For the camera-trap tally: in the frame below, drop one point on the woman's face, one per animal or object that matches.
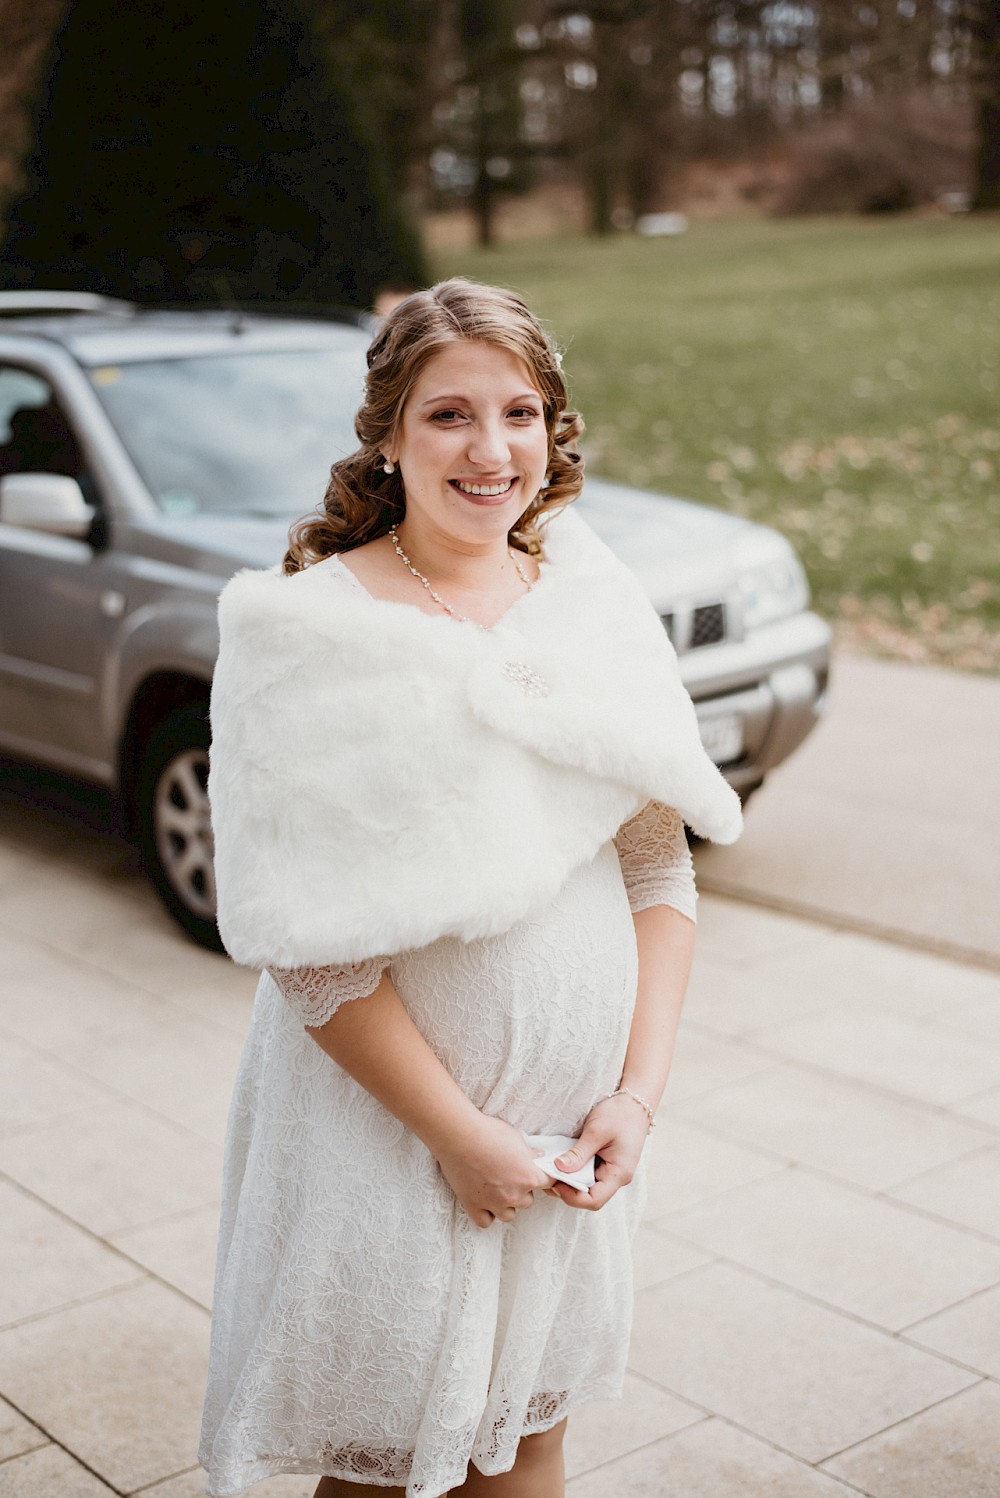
(472, 445)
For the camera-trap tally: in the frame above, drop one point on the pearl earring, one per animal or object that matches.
(388, 466)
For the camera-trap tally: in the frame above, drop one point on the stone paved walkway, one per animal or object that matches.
(819, 1303)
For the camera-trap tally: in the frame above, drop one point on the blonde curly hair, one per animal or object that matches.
(361, 501)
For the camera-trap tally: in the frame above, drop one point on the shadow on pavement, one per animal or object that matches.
(48, 813)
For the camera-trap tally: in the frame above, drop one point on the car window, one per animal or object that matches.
(35, 436)
(251, 433)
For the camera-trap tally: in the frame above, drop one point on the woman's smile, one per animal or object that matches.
(484, 491)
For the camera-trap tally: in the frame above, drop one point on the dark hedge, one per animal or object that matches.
(199, 152)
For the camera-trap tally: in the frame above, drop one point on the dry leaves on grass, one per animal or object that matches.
(928, 636)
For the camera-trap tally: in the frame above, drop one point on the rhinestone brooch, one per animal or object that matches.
(531, 684)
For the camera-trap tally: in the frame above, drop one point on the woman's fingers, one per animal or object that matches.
(609, 1181)
(590, 1143)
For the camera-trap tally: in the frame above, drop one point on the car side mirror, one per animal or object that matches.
(49, 502)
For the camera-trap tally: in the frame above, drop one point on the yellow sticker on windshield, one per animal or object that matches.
(106, 375)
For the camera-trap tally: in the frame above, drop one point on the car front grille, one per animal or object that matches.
(704, 626)
(708, 626)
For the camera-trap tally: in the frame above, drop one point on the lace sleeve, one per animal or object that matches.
(316, 993)
(656, 860)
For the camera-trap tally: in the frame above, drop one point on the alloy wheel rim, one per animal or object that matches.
(182, 831)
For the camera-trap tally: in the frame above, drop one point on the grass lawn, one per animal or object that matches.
(838, 379)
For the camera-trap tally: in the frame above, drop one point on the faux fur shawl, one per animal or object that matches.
(381, 777)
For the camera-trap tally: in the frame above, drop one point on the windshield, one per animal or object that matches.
(247, 434)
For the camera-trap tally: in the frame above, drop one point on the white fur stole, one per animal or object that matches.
(381, 777)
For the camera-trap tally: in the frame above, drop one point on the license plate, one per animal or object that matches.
(722, 736)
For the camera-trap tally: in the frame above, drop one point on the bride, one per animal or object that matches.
(451, 768)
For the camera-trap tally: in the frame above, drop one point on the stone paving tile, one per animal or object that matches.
(37, 1089)
(40, 993)
(17, 956)
(983, 1107)
(136, 1044)
(47, 1262)
(116, 927)
(949, 1451)
(805, 1377)
(923, 1061)
(981, 1018)
(729, 931)
(844, 967)
(206, 984)
(114, 1167)
(223, 994)
(19, 866)
(131, 1377)
(192, 1485)
(968, 1332)
(707, 1460)
(735, 1000)
(17, 1435)
(702, 1062)
(181, 1250)
(49, 1473)
(600, 1432)
(966, 1191)
(94, 913)
(835, 1242)
(833, 1124)
(686, 1164)
(658, 1256)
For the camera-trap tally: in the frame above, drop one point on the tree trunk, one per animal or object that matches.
(484, 205)
(987, 43)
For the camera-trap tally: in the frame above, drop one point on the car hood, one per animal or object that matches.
(679, 550)
(218, 544)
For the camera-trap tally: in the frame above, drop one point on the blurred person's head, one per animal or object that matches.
(389, 296)
(363, 501)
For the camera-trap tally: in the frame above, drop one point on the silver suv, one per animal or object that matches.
(146, 454)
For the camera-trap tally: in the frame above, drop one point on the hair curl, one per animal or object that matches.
(361, 501)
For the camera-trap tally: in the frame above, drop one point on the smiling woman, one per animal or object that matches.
(452, 760)
(463, 378)
(470, 462)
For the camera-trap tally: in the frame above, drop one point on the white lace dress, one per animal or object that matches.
(363, 1327)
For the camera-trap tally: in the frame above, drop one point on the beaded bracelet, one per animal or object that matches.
(627, 1092)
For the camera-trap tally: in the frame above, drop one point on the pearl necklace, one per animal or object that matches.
(462, 618)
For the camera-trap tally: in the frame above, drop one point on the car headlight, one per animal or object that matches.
(773, 589)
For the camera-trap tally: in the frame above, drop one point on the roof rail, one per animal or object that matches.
(319, 311)
(28, 303)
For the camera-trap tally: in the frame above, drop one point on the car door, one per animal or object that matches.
(56, 604)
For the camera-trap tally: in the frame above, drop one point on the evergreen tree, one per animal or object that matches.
(198, 151)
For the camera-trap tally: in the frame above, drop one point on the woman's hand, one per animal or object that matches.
(616, 1129)
(493, 1172)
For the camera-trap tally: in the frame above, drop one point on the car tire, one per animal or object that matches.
(173, 823)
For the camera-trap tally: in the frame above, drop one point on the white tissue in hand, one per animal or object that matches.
(552, 1145)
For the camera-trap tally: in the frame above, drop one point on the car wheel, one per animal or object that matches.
(174, 828)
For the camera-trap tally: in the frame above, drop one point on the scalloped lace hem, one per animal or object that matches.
(393, 1466)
